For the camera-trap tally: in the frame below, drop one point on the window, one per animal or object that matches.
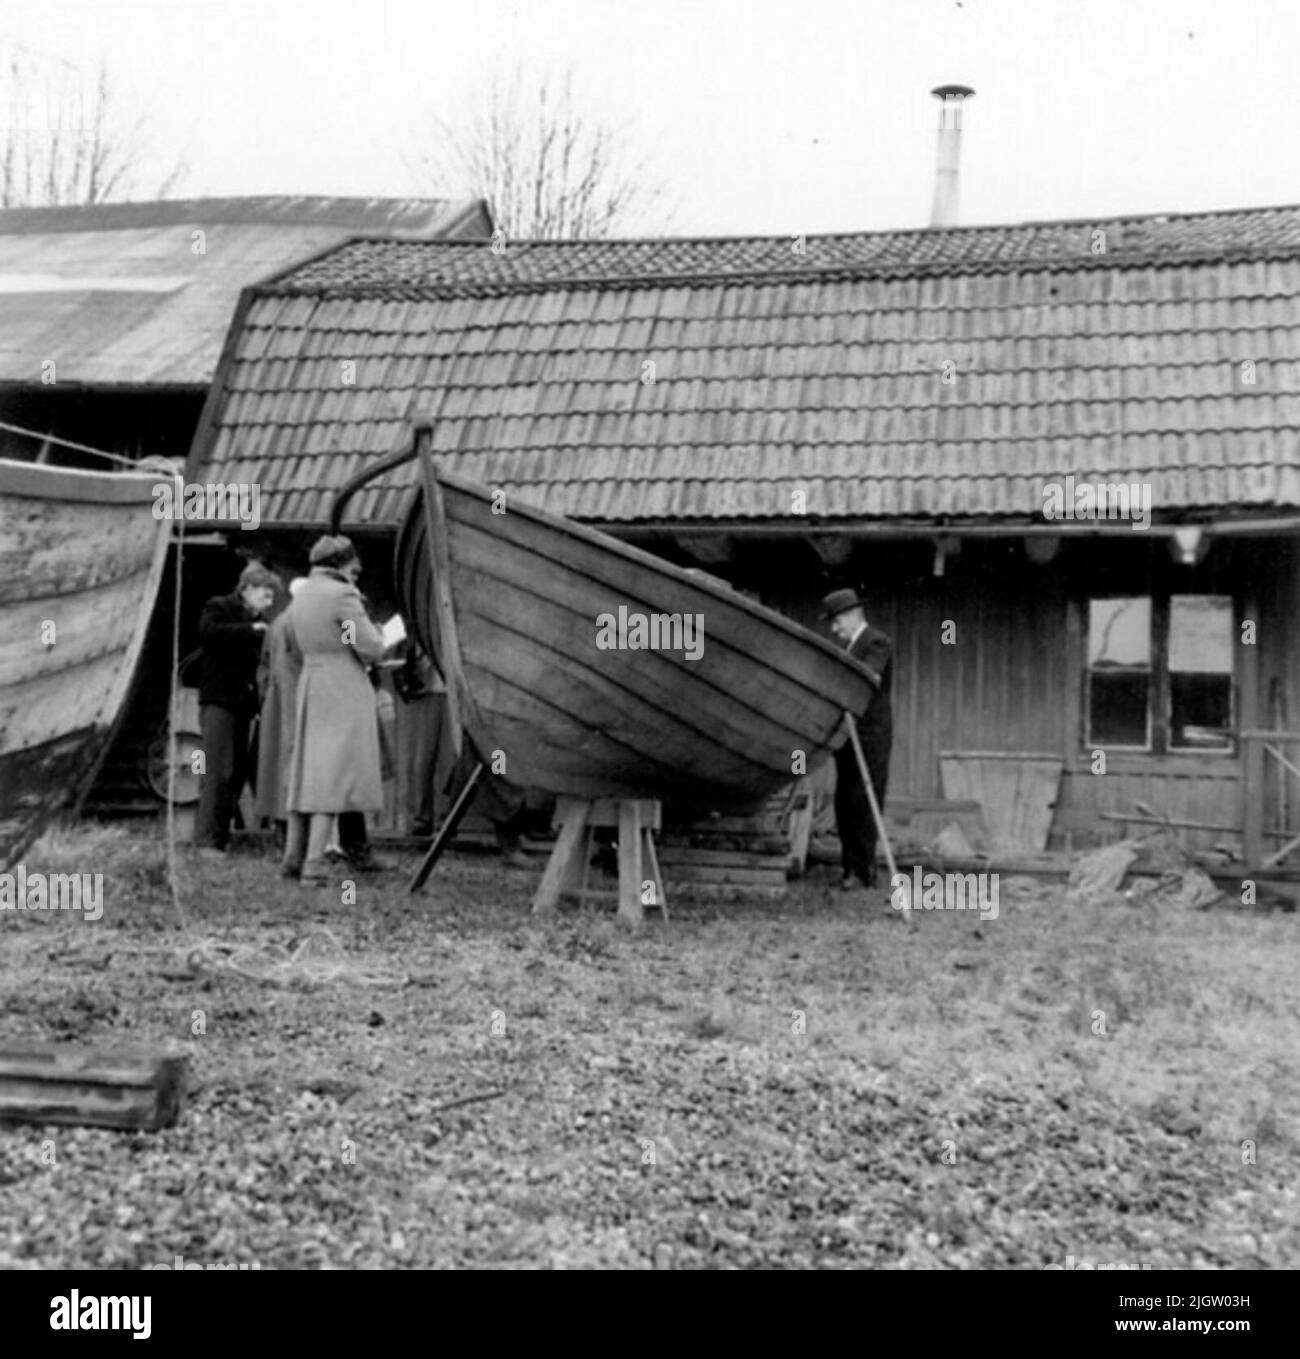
(1159, 674)
(1119, 673)
(1200, 672)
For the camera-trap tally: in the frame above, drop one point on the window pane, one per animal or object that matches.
(1201, 711)
(1200, 634)
(1119, 632)
(1118, 707)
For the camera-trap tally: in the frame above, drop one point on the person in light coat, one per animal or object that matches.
(334, 766)
(281, 666)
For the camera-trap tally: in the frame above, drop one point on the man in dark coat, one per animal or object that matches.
(231, 631)
(853, 818)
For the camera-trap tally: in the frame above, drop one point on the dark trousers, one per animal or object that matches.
(225, 754)
(352, 833)
(853, 819)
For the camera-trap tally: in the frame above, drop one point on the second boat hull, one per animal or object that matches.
(81, 557)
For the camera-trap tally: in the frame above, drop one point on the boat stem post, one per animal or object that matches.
(878, 817)
(448, 828)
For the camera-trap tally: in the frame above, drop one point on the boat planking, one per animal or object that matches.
(509, 599)
(81, 559)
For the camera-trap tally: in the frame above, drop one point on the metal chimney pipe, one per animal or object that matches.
(948, 163)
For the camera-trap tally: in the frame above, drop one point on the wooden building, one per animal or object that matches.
(942, 417)
(112, 318)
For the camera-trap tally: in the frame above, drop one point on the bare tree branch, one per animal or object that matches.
(547, 170)
(69, 140)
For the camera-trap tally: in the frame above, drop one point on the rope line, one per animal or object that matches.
(173, 715)
(141, 464)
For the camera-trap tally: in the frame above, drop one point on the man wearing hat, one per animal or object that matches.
(853, 818)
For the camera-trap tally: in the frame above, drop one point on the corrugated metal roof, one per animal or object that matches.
(896, 374)
(132, 293)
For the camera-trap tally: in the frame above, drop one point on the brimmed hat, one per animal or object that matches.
(331, 550)
(841, 601)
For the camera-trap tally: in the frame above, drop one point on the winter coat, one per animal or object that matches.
(875, 649)
(282, 662)
(334, 765)
(232, 643)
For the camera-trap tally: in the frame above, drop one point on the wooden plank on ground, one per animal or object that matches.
(62, 1083)
(688, 855)
(720, 873)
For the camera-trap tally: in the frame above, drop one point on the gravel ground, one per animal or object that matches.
(807, 1083)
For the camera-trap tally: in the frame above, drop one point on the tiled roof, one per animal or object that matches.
(922, 374)
(130, 293)
(411, 268)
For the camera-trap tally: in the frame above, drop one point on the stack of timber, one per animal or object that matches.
(755, 854)
(61, 1083)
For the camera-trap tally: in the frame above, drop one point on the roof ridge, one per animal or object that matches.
(377, 266)
(966, 228)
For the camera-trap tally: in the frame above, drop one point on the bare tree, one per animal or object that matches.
(69, 139)
(548, 170)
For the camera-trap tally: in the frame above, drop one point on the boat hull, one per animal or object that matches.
(531, 598)
(81, 557)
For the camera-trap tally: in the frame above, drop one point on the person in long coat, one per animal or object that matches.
(281, 666)
(853, 818)
(334, 766)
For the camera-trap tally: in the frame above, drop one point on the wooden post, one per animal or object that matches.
(563, 868)
(59, 1083)
(629, 862)
(801, 825)
(1252, 800)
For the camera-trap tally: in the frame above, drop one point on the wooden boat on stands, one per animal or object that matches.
(511, 605)
(81, 558)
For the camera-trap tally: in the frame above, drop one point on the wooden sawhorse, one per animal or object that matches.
(569, 867)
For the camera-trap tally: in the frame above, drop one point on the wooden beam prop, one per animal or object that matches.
(566, 871)
(875, 806)
(59, 1083)
(464, 799)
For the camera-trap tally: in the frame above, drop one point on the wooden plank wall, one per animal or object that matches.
(1013, 677)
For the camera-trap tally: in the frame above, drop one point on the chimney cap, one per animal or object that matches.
(948, 91)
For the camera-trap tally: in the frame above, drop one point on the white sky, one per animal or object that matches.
(762, 116)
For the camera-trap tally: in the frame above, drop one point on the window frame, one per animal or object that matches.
(1160, 688)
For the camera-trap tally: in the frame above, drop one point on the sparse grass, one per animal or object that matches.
(799, 1068)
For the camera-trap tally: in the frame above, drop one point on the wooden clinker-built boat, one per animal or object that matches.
(81, 557)
(510, 604)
